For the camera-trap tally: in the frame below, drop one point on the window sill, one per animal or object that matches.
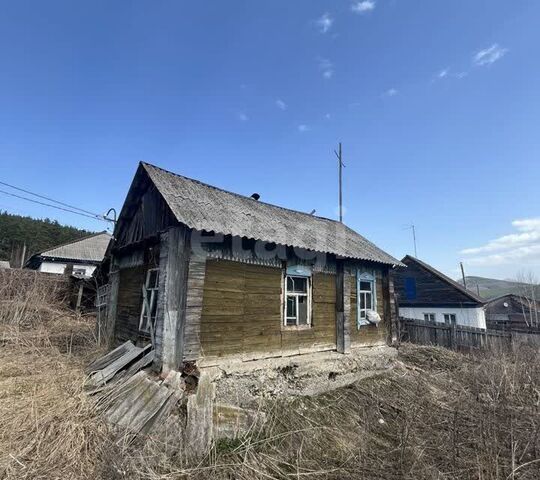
(296, 327)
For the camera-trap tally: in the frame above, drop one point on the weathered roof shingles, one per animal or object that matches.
(90, 249)
(204, 207)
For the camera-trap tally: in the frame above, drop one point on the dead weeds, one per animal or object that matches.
(436, 415)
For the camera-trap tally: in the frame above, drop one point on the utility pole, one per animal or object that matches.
(463, 274)
(341, 165)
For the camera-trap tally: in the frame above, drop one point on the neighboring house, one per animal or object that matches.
(513, 312)
(424, 293)
(206, 274)
(79, 257)
(4, 264)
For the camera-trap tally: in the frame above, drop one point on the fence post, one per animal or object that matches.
(453, 336)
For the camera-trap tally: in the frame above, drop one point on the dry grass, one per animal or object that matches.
(437, 415)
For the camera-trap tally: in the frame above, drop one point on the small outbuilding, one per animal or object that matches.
(513, 312)
(80, 257)
(424, 293)
(207, 275)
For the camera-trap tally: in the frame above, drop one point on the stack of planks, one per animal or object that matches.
(130, 397)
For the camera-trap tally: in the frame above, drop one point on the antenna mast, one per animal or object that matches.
(341, 165)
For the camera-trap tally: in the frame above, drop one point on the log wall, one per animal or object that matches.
(241, 313)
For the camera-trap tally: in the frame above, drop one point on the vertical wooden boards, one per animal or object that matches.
(129, 304)
(174, 258)
(188, 339)
(343, 341)
(389, 307)
(114, 280)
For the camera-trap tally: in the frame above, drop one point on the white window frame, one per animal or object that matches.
(308, 295)
(146, 322)
(361, 313)
(450, 317)
(430, 314)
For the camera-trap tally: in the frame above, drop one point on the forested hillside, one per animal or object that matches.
(38, 235)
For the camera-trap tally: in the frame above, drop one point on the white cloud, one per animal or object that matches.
(327, 116)
(443, 73)
(326, 67)
(460, 75)
(325, 23)
(392, 92)
(489, 55)
(281, 104)
(521, 248)
(363, 6)
(243, 117)
(303, 128)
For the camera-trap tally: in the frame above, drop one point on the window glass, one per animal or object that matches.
(302, 311)
(429, 317)
(297, 285)
(365, 286)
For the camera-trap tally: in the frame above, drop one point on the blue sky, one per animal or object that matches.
(437, 105)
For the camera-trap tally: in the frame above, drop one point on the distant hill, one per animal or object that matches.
(38, 235)
(491, 287)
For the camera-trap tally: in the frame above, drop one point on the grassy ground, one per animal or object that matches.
(437, 415)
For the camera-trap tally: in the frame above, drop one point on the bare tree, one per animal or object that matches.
(529, 292)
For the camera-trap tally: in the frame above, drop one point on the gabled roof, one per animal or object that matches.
(410, 259)
(90, 249)
(522, 299)
(204, 207)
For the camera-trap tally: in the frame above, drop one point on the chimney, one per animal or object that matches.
(255, 196)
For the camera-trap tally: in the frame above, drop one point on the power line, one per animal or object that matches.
(49, 199)
(91, 215)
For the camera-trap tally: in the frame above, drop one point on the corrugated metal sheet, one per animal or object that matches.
(203, 207)
(89, 248)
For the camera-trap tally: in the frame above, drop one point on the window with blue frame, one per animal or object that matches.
(366, 296)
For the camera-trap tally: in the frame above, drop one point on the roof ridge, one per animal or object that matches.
(239, 194)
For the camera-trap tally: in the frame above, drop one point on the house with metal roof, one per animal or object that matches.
(80, 257)
(424, 293)
(205, 275)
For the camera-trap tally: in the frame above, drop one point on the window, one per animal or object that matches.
(298, 301)
(450, 318)
(79, 271)
(366, 297)
(429, 317)
(149, 306)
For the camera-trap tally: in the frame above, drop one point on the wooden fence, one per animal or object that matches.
(459, 337)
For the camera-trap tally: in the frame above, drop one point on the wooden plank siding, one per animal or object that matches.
(368, 335)
(129, 303)
(430, 289)
(242, 313)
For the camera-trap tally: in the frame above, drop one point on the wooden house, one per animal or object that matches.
(424, 293)
(80, 257)
(206, 275)
(513, 312)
